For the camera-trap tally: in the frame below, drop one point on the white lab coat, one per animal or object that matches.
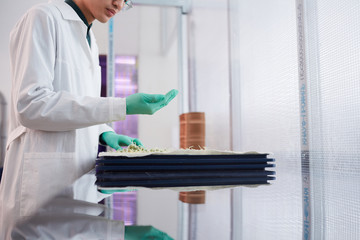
(66, 218)
(56, 112)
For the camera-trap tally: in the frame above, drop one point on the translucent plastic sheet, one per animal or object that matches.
(270, 116)
(270, 109)
(208, 39)
(333, 59)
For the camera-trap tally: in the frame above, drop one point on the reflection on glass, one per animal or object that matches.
(126, 83)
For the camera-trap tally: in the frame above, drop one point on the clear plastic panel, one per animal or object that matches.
(270, 116)
(334, 59)
(209, 82)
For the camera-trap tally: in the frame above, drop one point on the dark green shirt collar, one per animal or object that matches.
(82, 17)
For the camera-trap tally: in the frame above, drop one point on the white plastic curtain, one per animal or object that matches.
(321, 198)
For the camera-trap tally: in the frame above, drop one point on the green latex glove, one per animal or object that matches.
(116, 141)
(145, 233)
(142, 103)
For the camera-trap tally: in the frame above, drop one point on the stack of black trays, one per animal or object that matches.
(184, 170)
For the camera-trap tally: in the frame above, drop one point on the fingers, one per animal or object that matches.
(142, 103)
(163, 100)
(170, 95)
(116, 141)
(159, 98)
(153, 98)
(124, 140)
(116, 147)
(137, 142)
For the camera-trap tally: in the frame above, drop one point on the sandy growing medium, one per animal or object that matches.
(138, 151)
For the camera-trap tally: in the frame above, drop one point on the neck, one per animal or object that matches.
(85, 10)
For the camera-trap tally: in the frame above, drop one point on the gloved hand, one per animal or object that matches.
(142, 103)
(145, 233)
(116, 141)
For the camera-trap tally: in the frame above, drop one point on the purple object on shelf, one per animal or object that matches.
(125, 84)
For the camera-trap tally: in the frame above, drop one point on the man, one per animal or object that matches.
(57, 114)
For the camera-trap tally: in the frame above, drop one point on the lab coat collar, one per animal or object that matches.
(79, 12)
(66, 11)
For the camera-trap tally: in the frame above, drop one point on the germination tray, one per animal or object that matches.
(180, 174)
(181, 182)
(183, 170)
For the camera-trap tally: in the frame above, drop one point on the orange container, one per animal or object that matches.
(192, 135)
(194, 197)
(192, 130)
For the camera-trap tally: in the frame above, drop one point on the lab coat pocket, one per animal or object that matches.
(44, 176)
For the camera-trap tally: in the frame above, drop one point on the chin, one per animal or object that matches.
(103, 20)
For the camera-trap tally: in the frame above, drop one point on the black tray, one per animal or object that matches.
(185, 159)
(187, 182)
(178, 174)
(202, 167)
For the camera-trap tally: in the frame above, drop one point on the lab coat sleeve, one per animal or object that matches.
(33, 54)
(104, 128)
